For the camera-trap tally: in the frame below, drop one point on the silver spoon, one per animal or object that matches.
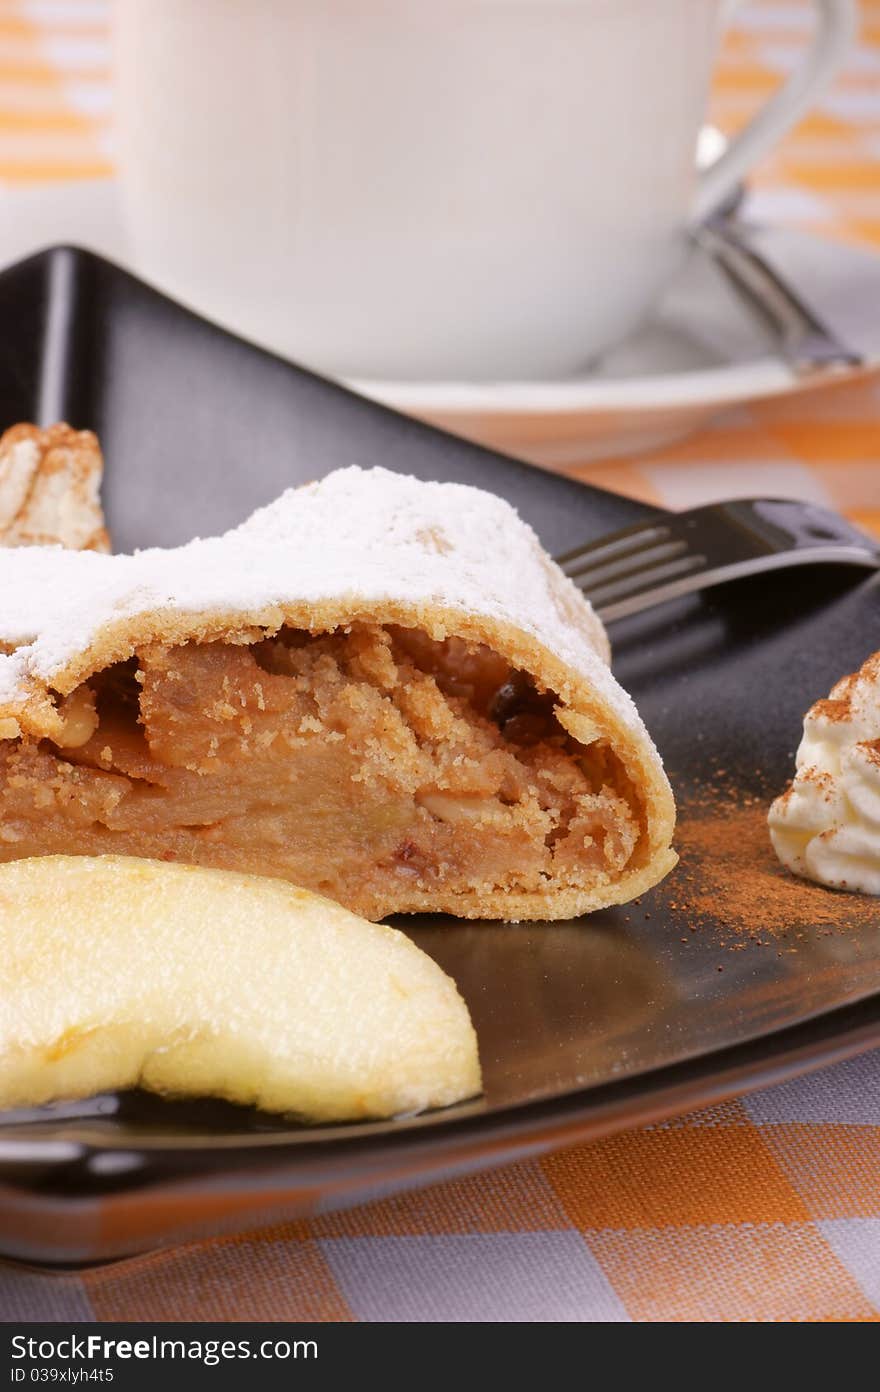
(806, 343)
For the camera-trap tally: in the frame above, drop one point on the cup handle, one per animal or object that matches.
(836, 23)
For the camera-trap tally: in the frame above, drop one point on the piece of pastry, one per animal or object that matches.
(381, 689)
(826, 825)
(50, 488)
(120, 973)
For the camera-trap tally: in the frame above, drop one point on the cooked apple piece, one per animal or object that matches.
(117, 972)
(373, 765)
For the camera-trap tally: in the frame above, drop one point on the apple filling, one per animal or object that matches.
(373, 765)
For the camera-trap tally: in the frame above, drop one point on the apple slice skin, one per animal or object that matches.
(117, 972)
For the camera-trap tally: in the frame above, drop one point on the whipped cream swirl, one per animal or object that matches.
(826, 826)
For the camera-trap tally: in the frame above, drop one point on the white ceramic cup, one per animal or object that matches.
(429, 189)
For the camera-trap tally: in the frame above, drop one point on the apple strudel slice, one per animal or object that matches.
(380, 689)
(50, 484)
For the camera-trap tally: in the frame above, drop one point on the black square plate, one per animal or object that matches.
(584, 1026)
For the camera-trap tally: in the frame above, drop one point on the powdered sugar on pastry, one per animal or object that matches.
(359, 534)
(826, 825)
(49, 488)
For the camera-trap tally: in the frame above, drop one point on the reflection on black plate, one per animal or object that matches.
(585, 1026)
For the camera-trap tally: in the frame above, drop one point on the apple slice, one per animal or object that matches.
(117, 973)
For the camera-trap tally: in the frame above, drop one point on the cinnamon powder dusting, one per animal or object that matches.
(729, 875)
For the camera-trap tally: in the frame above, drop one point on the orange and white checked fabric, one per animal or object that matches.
(767, 1208)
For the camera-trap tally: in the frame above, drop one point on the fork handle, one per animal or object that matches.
(793, 524)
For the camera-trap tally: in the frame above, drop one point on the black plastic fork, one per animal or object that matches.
(675, 554)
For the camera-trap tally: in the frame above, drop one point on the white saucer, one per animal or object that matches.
(702, 352)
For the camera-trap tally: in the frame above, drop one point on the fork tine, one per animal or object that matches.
(594, 552)
(640, 581)
(591, 576)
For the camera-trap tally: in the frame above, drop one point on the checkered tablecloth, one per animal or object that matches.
(767, 1208)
